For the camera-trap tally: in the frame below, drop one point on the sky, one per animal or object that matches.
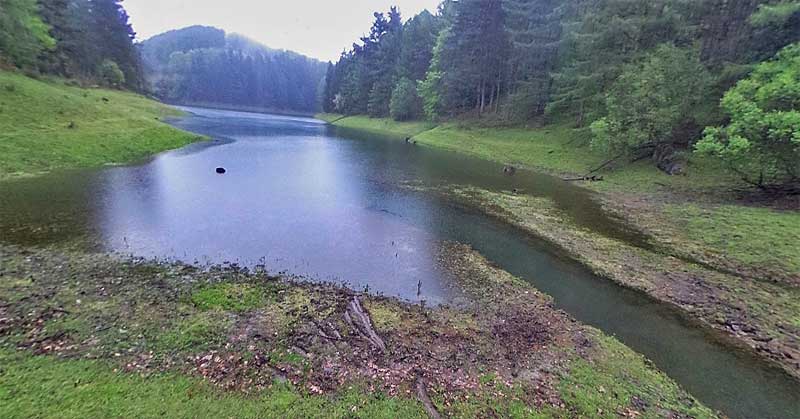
(316, 28)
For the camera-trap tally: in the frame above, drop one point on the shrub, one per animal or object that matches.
(650, 100)
(110, 74)
(761, 143)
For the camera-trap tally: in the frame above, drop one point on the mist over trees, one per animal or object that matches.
(204, 66)
(70, 38)
(646, 76)
(91, 41)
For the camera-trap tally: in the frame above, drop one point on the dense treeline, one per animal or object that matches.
(203, 65)
(82, 39)
(646, 76)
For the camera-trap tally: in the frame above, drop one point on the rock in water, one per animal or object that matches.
(221, 170)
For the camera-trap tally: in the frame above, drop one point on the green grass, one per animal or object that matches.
(36, 137)
(616, 379)
(378, 125)
(753, 236)
(557, 149)
(230, 296)
(196, 332)
(45, 387)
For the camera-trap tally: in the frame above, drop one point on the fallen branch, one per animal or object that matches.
(422, 395)
(585, 178)
(359, 320)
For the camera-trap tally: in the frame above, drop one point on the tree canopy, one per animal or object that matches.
(761, 142)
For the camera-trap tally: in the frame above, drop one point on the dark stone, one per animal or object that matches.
(221, 170)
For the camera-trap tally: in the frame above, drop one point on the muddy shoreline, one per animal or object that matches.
(245, 330)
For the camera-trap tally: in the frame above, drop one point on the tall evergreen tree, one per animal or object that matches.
(602, 38)
(474, 56)
(535, 30)
(113, 37)
(419, 38)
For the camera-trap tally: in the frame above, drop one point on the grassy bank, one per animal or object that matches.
(48, 125)
(89, 335)
(380, 126)
(694, 216)
(758, 314)
(555, 149)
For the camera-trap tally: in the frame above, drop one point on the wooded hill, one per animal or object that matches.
(646, 79)
(204, 65)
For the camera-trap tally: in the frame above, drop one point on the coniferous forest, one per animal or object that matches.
(203, 65)
(647, 79)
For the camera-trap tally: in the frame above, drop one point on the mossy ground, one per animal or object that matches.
(48, 125)
(90, 335)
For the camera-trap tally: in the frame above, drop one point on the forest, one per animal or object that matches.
(92, 42)
(644, 79)
(84, 40)
(204, 65)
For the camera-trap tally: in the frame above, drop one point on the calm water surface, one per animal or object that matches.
(306, 199)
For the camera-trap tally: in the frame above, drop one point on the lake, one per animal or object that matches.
(324, 204)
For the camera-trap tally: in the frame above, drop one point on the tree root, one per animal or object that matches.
(422, 395)
(359, 320)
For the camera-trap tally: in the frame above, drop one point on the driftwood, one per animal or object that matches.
(422, 395)
(586, 178)
(359, 320)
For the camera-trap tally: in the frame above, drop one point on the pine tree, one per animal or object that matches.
(535, 29)
(474, 57)
(602, 38)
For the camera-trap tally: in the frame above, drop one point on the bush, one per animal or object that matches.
(405, 103)
(110, 74)
(651, 100)
(761, 143)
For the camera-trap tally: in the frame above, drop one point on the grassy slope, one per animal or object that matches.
(746, 236)
(51, 388)
(35, 133)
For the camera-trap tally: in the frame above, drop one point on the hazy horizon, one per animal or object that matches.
(317, 29)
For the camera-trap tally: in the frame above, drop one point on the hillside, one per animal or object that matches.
(46, 126)
(202, 65)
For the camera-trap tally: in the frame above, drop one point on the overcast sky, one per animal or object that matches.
(317, 28)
